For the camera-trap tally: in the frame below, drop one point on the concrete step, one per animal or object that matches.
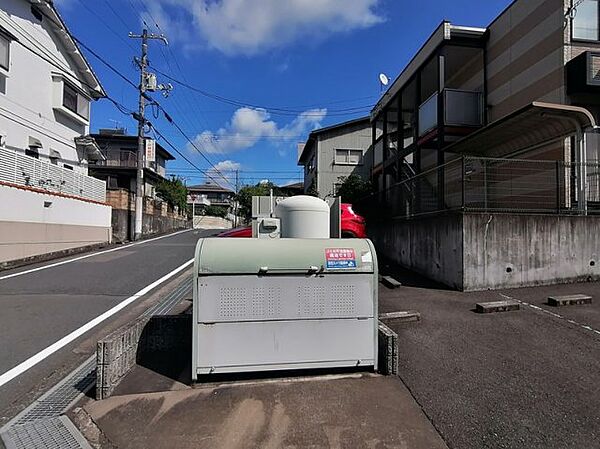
(390, 282)
(497, 306)
(399, 317)
(569, 300)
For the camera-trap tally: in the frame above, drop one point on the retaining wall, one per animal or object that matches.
(474, 251)
(430, 246)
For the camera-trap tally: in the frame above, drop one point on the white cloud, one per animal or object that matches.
(247, 126)
(223, 173)
(254, 26)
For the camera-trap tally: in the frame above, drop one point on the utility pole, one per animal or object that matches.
(147, 83)
(237, 190)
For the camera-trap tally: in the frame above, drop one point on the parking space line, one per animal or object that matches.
(555, 315)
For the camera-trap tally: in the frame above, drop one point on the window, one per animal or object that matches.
(32, 152)
(75, 102)
(585, 21)
(348, 157)
(4, 52)
(70, 98)
(68, 167)
(54, 156)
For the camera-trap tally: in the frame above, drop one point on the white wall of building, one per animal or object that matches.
(31, 104)
(33, 223)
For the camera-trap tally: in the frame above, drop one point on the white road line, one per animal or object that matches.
(37, 358)
(555, 315)
(52, 265)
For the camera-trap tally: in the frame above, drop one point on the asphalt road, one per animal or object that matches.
(524, 379)
(41, 307)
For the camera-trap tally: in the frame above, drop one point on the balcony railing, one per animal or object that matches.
(461, 108)
(490, 185)
(118, 158)
(16, 168)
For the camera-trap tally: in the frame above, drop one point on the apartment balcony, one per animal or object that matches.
(461, 109)
(118, 158)
(21, 170)
(583, 74)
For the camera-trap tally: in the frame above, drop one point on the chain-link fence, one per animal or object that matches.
(491, 185)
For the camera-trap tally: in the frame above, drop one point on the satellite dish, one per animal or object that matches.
(383, 79)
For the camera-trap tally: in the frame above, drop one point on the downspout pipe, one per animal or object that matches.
(580, 152)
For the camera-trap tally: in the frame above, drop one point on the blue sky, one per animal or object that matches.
(310, 63)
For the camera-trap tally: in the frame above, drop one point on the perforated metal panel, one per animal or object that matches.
(266, 298)
(268, 305)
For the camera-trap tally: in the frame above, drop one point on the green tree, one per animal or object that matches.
(174, 192)
(353, 188)
(245, 194)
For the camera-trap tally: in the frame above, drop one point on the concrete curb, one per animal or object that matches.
(387, 351)
(400, 317)
(569, 300)
(390, 282)
(497, 306)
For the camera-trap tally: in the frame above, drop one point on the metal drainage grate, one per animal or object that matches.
(58, 432)
(60, 397)
(41, 425)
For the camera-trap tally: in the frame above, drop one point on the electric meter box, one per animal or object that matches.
(280, 304)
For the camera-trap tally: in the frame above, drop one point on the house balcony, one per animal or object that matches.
(22, 170)
(462, 111)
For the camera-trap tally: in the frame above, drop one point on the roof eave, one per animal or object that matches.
(444, 32)
(62, 31)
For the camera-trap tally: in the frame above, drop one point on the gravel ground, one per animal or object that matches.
(524, 379)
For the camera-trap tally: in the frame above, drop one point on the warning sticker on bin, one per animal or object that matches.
(341, 258)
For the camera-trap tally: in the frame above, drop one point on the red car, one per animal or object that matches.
(353, 226)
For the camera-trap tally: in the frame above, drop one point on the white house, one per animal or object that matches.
(47, 201)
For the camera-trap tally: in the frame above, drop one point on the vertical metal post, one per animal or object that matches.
(583, 171)
(463, 205)
(485, 189)
(193, 210)
(235, 203)
(557, 187)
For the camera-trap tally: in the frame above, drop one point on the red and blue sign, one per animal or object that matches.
(340, 258)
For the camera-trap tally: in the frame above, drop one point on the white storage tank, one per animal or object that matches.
(303, 217)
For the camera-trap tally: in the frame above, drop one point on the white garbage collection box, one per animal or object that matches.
(279, 304)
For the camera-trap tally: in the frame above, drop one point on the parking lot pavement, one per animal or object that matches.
(357, 411)
(521, 379)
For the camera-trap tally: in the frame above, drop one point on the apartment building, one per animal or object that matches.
(48, 203)
(491, 125)
(335, 152)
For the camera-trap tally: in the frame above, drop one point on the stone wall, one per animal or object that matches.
(157, 218)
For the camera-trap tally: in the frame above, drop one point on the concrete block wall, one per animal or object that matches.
(157, 219)
(387, 359)
(120, 351)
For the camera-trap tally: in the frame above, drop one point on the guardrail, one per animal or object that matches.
(490, 185)
(19, 169)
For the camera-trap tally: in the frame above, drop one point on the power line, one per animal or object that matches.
(120, 107)
(166, 114)
(273, 110)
